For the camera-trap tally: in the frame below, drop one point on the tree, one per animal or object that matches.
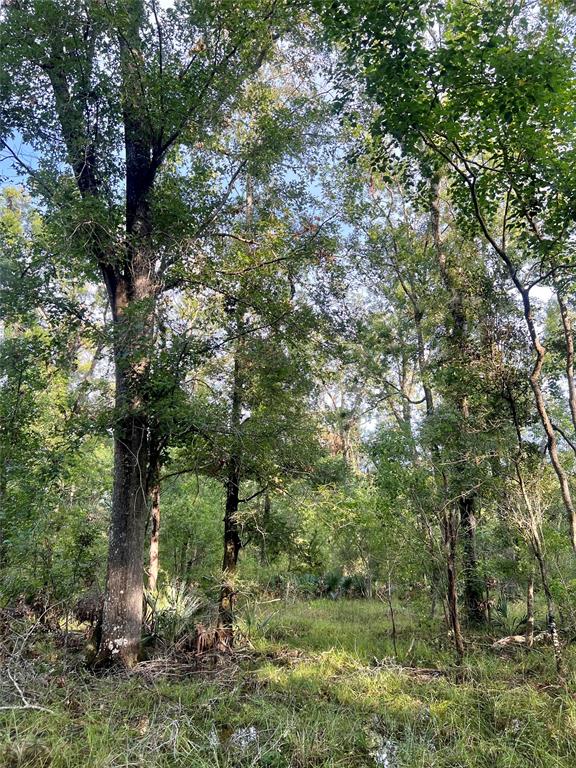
(114, 91)
(482, 93)
(47, 408)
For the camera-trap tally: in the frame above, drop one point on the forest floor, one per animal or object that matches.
(313, 684)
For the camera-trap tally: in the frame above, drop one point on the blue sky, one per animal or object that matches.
(9, 173)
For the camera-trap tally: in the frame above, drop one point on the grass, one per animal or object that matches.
(359, 627)
(319, 689)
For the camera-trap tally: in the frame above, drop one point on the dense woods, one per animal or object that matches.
(287, 386)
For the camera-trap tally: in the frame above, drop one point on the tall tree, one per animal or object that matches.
(484, 93)
(113, 91)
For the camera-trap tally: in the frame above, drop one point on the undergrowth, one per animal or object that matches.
(314, 684)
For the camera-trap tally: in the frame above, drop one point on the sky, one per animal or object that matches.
(9, 173)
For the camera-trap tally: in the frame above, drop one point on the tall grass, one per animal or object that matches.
(318, 689)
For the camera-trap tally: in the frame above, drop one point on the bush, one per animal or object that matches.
(173, 611)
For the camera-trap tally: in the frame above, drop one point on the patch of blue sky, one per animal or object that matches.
(16, 156)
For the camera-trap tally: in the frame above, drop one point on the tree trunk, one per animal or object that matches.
(130, 282)
(392, 617)
(569, 345)
(473, 584)
(154, 537)
(446, 522)
(132, 300)
(552, 628)
(458, 342)
(551, 438)
(450, 540)
(122, 612)
(531, 530)
(232, 541)
(536, 373)
(232, 546)
(530, 613)
(265, 524)
(133, 293)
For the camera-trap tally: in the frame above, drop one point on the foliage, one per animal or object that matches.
(173, 612)
(299, 706)
(286, 315)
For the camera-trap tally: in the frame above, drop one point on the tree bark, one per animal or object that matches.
(232, 546)
(133, 293)
(126, 259)
(128, 274)
(232, 543)
(530, 612)
(569, 344)
(122, 612)
(450, 544)
(154, 562)
(263, 533)
(446, 520)
(535, 378)
(473, 583)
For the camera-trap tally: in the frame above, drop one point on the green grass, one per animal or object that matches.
(318, 688)
(358, 627)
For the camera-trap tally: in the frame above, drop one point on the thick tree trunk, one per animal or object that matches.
(154, 537)
(133, 293)
(132, 300)
(128, 274)
(122, 612)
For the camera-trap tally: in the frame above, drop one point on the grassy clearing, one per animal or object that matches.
(319, 689)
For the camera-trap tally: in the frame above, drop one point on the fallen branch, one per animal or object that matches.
(25, 703)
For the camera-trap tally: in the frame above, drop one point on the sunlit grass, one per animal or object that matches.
(320, 688)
